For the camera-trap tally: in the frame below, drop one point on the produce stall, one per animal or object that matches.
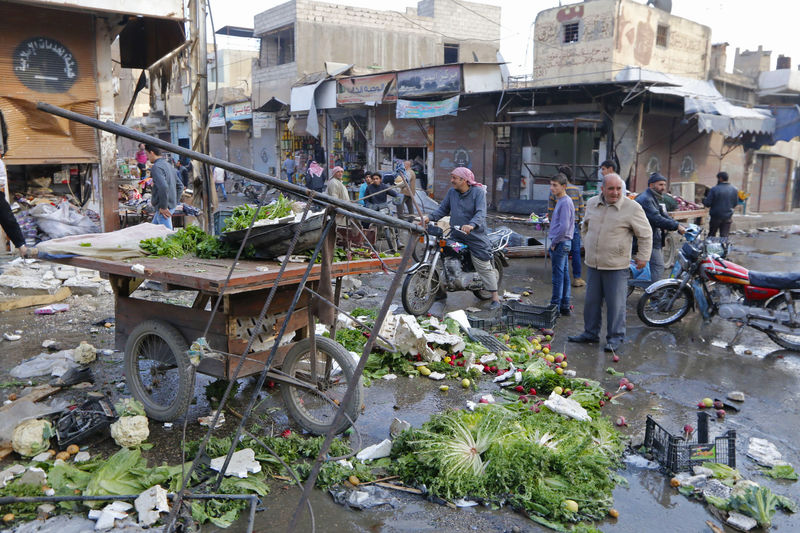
(156, 336)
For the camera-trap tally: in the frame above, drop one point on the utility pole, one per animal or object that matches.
(198, 103)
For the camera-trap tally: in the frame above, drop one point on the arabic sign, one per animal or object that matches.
(365, 89)
(216, 119)
(263, 121)
(240, 111)
(426, 81)
(413, 109)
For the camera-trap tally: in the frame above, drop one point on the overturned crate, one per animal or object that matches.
(676, 454)
(532, 316)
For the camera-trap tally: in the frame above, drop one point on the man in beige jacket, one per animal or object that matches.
(609, 225)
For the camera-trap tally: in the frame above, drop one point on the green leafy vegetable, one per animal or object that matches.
(760, 503)
(781, 472)
(242, 215)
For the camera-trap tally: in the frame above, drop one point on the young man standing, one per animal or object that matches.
(576, 194)
(722, 199)
(219, 182)
(562, 229)
(167, 187)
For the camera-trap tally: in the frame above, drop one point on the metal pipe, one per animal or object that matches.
(272, 181)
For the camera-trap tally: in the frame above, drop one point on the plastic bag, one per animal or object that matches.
(640, 275)
(62, 220)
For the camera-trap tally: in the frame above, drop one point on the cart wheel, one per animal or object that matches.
(314, 410)
(158, 370)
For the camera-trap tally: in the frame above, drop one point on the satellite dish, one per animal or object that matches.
(663, 5)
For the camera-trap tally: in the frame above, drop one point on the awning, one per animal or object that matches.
(703, 101)
(783, 82)
(787, 122)
(584, 121)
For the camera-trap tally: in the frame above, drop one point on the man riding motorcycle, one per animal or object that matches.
(465, 202)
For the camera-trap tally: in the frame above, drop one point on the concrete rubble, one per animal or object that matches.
(150, 504)
(410, 338)
(376, 451)
(764, 452)
(242, 462)
(740, 521)
(30, 277)
(10, 473)
(105, 518)
(398, 426)
(566, 406)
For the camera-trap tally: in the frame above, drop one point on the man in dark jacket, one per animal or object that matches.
(652, 201)
(722, 199)
(167, 186)
(375, 198)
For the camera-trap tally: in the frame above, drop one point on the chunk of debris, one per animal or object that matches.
(716, 488)
(10, 473)
(242, 462)
(736, 396)
(764, 452)
(11, 337)
(50, 344)
(139, 269)
(389, 377)
(150, 504)
(376, 451)
(740, 521)
(566, 407)
(33, 476)
(207, 420)
(398, 426)
(81, 457)
(437, 376)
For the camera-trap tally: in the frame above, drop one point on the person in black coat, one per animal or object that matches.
(652, 202)
(7, 219)
(722, 199)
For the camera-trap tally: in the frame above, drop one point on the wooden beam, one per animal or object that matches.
(18, 302)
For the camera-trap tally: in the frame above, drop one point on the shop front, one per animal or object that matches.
(299, 148)
(348, 133)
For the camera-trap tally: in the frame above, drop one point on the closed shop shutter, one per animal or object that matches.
(48, 56)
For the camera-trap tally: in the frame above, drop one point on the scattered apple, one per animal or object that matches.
(708, 402)
(615, 358)
(444, 388)
(721, 413)
(465, 383)
(558, 390)
(621, 421)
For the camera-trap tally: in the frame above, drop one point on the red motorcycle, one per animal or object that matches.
(702, 277)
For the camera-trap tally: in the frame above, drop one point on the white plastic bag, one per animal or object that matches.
(62, 220)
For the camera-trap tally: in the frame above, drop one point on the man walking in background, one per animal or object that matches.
(652, 201)
(609, 225)
(167, 187)
(219, 182)
(722, 199)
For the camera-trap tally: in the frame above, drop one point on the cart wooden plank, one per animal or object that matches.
(683, 216)
(208, 275)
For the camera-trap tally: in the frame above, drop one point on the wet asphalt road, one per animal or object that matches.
(672, 368)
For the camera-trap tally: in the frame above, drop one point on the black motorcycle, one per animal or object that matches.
(446, 266)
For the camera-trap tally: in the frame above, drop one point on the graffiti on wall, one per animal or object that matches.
(569, 13)
(653, 165)
(461, 158)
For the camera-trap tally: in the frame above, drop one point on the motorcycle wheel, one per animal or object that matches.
(785, 340)
(498, 268)
(651, 309)
(416, 298)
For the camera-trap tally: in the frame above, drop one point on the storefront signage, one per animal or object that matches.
(365, 89)
(240, 111)
(263, 121)
(45, 65)
(429, 81)
(414, 109)
(216, 119)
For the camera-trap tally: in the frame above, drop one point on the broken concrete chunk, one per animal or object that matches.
(702, 471)
(376, 451)
(83, 286)
(207, 420)
(488, 358)
(460, 317)
(81, 457)
(438, 376)
(764, 452)
(736, 396)
(242, 462)
(33, 476)
(10, 473)
(398, 426)
(44, 456)
(150, 504)
(566, 407)
(50, 344)
(11, 337)
(389, 377)
(139, 269)
(740, 521)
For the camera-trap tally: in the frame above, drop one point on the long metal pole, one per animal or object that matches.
(198, 104)
(322, 198)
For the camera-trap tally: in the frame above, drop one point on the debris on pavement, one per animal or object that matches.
(363, 497)
(105, 518)
(398, 426)
(242, 462)
(11, 336)
(736, 396)
(376, 451)
(208, 419)
(84, 353)
(567, 407)
(764, 452)
(150, 504)
(130, 431)
(51, 310)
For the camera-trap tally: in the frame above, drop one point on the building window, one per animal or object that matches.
(661, 35)
(277, 47)
(450, 53)
(571, 32)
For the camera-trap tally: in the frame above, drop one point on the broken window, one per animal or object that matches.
(571, 32)
(662, 33)
(277, 47)
(450, 53)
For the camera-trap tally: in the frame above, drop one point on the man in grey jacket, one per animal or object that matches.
(609, 225)
(167, 186)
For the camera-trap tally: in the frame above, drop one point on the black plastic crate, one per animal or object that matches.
(536, 316)
(676, 454)
(489, 322)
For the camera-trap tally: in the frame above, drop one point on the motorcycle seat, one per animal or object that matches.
(775, 280)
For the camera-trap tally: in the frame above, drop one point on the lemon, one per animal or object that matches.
(559, 370)
(571, 505)
(465, 383)
(558, 390)
(444, 388)
(447, 360)
(424, 370)
(546, 350)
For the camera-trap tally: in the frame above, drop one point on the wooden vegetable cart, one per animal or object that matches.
(156, 336)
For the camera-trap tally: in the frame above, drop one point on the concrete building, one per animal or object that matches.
(60, 52)
(300, 36)
(591, 41)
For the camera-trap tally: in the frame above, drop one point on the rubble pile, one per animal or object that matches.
(31, 277)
